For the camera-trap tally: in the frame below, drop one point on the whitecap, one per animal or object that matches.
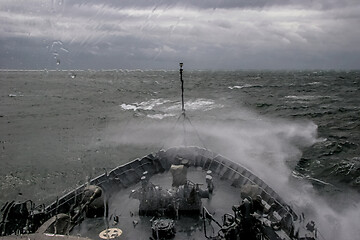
(205, 104)
(236, 87)
(128, 107)
(15, 95)
(305, 97)
(197, 104)
(168, 107)
(315, 83)
(243, 86)
(160, 116)
(149, 105)
(146, 105)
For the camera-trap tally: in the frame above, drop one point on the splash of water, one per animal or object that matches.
(268, 147)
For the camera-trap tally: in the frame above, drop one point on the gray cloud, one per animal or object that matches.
(213, 4)
(155, 34)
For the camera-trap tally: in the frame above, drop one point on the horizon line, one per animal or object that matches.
(190, 69)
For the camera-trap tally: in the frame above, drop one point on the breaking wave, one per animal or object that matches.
(245, 86)
(146, 105)
(163, 108)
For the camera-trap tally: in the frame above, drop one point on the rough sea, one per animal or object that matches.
(297, 130)
(323, 104)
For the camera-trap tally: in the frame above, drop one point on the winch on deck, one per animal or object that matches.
(183, 198)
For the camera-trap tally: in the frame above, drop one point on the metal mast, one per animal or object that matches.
(182, 88)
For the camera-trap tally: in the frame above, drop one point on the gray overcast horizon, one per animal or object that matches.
(204, 34)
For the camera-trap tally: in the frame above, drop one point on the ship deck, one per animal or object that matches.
(134, 226)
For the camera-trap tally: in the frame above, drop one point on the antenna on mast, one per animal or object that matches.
(182, 89)
(183, 115)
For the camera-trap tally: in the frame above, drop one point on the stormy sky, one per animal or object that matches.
(157, 34)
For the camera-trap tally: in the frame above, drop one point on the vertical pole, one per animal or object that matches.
(182, 89)
(182, 102)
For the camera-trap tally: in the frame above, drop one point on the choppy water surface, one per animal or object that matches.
(330, 100)
(302, 128)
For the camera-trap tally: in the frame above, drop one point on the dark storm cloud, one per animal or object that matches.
(211, 4)
(156, 34)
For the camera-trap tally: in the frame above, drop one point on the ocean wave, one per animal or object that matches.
(128, 107)
(160, 116)
(315, 83)
(305, 97)
(162, 108)
(146, 105)
(245, 86)
(197, 104)
(338, 146)
(202, 104)
(236, 87)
